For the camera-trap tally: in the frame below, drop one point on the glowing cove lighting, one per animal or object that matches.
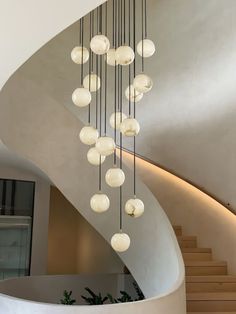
(117, 46)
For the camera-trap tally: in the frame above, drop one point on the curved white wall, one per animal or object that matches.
(26, 26)
(198, 214)
(47, 134)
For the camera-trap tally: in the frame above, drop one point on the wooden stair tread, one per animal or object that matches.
(205, 263)
(211, 296)
(187, 238)
(211, 312)
(211, 278)
(195, 250)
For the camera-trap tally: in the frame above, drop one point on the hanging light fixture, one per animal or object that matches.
(120, 54)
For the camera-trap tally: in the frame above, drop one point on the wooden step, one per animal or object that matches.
(195, 250)
(211, 312)
(196, 256)
(201, 268)
(211, 283)
(187, 241)
(211, 302)
(178, 230)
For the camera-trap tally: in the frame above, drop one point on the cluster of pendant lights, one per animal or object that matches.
(120, 54)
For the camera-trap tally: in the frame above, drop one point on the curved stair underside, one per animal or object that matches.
(37, 127)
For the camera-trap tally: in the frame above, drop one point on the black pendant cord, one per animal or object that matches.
(100, 123)
(97, 20)
(142, 35)
(82, 43)
(90, 60)
(121, 151)
(115, 70)
(80, 32)
(124, 6)
(134, 39)
(145, 16)
(129, 64)
(105, 100)
(96, 101)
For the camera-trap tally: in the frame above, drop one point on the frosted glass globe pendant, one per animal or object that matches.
(134, 207)
(111, 57)
(88, 135)
(130, 127)
(124, 55)
(81, 97)
(80, 55)
(142, 83)
(146, 48)
(92, 82)
(99, 202)
(100, 44)
(115, 177)
(94, 158)
(132, 94)
(120, 242)
(105, 145)
(116, 119)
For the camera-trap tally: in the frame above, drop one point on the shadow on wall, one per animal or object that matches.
(196, 212)
(84, 249)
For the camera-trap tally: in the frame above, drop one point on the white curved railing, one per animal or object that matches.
(45, 132)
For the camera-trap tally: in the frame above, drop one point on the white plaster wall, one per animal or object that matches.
(198, 214)
(26, 26)
(41, 214)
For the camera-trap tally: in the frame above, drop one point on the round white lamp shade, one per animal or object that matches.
(111, 57)
(92, 82)
(81, 97)
(132, 94)
(100, 44)
(94, 158)
(99, 203)
(120, 242)
(88, 135)
(124, 55)
(105, 145)
(80, 55)
(116, 119)
(130, 127)
(134, 207)
(115, 177)
(146, 48)
(142, 83)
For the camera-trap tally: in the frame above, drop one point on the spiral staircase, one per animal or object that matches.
(38, 122)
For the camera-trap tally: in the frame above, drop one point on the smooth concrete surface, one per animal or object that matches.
(41, 213)
(188, 119)
(46, 133)
(84, 249)
(26, 26)
(49, 289)
(198, 214)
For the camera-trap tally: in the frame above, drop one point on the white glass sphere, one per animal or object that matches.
(146, 48)
(124, 55)
(105, 145)
(115, 177)
(111, 57)
(134, 207)
(95, 82)
(81, 97)
(116, 119)
(80, 55)
(88, 135)
(132, 94)
(94, 158)
(130, 127)
(142, 83)
(99, 203)
(100, 44)
(120, 242)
